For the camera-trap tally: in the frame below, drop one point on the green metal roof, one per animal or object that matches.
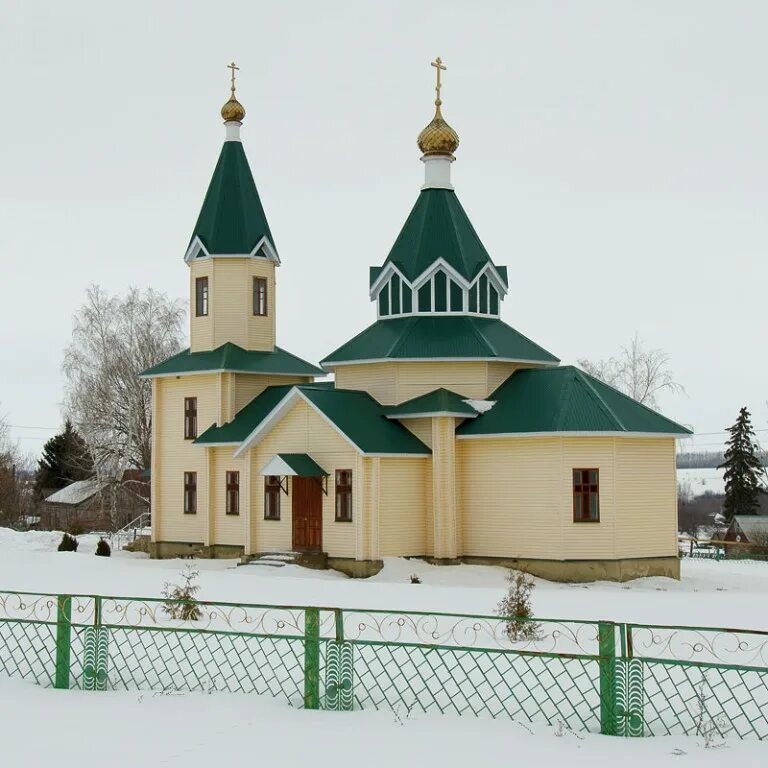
(440, 401)
(428, 337)
(355, 414)
(565, 400)
(230, 357)
(438, 227)
(303, 465)
(232, 219)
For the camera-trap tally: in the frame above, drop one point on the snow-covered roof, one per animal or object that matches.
(77, 492)
(752, 524)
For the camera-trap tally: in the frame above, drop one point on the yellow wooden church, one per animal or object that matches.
(445, 433)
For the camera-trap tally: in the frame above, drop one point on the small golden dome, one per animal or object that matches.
(438, 138)
(233, 110)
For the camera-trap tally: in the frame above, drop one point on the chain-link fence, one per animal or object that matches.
(613, 678)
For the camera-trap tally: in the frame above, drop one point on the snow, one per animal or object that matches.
(198, 728)
(701, 480)
(77, 492)
(40, 727)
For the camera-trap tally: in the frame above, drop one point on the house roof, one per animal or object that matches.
(230, 357)
(752, 524)
(232, 219)
(77, 492)
(565, 399)
(430, 337)
(355, 414)
(440, 402)
(438, 227)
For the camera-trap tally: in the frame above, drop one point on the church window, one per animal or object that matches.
(233, 493)
(394, 287)
(483, 295)
(260, 296)
(201, 296)
(384, 301)
(190, 418)
(493, 301)
(343, 495)
(441, 288)
(425, 297)
(586, 496)
(457, 297)
(272, 497)
(190, 493)
(473, 298)
(407, 299)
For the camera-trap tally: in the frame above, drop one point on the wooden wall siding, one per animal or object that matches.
(422, 428)
(173, 455)
(646, 490)
(403, 507)
(393, 383)
(249, 385)
(516, 497)
(226, 398)
(445, 519)
(227, 529)
(230, 305)
(303, 430)
(429, 549)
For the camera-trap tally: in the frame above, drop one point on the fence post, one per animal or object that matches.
(312, 658)
(606, 633)
(63, 640)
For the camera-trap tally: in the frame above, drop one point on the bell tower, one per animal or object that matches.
(231, 254)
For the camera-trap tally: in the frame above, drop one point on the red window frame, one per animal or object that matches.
(190, 418)
(586, 495)
(272, 490)
(343, 495)
(260, 296)
(233, 493)
(190, 493)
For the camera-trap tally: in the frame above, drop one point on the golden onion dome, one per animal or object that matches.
(233, 110)
(438, 138)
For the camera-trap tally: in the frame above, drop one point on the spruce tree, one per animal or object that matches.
(65, 459)
(742, 469)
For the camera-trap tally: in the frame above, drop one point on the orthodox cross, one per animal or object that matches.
(234, 67)
(438, 65)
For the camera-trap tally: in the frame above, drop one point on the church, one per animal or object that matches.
(444, 434)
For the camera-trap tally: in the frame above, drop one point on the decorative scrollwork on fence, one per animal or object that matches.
(25, 607)
(703, 645)
(483, 633)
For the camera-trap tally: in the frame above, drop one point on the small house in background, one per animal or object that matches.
(93, 505)
(748, 534)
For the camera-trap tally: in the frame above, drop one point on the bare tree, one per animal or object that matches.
(15, 488)
(113, 340)
(641, 373)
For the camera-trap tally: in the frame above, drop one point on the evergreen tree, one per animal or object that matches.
(65, 459)
(742, 469)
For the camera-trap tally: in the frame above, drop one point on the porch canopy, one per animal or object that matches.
(293, 465)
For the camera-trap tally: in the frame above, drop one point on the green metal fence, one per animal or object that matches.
(613, 678)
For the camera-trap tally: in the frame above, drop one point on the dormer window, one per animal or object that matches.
(260, 296)
(201, 297)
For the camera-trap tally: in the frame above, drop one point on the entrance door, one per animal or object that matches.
(307, 509)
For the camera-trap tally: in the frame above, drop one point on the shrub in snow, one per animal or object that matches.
(415, 578)
(180, 602)
(68, 543)
(76, 529)
(103, 549)
(517, 609)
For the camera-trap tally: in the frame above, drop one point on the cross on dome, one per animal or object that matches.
(438, 138)
(438, 65)
(233, 111)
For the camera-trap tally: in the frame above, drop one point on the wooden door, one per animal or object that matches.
(307, 510)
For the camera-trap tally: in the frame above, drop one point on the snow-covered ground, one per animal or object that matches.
(195, 729)
(701, 480)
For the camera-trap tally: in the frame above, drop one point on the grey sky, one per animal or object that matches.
(613, 155)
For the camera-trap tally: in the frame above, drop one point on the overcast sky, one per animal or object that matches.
(613, 156)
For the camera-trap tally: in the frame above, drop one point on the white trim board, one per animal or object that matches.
(329, 364)
(676, 435)
(230, 370)
(430, 414)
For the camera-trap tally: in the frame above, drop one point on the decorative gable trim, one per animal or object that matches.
(262, 250)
